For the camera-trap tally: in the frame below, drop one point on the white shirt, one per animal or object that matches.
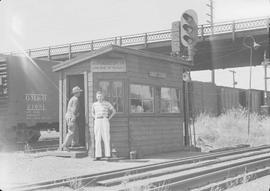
(101, 109)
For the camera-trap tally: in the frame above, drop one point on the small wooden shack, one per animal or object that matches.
(146, 90)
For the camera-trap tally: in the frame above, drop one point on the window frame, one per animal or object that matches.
(179, 101)
(153, 100)
(111, 97)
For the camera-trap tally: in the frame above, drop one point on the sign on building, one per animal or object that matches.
(108, 65)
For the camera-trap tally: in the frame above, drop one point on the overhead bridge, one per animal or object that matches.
(222, 49)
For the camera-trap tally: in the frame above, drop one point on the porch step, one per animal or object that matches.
(71, 153)
(77, 148)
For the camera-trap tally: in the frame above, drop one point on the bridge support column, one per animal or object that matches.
(213, 76)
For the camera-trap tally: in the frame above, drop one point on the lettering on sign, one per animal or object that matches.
(35, 105)
(157, 74)
(108, 65)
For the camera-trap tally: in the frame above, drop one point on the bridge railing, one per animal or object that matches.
(143, 38)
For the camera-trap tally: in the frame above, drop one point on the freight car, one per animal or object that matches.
(28, 98)
(209, 98)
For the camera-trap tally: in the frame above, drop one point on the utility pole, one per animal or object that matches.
(211, 15)
(233, 73)
(265, 109)
(211, 22)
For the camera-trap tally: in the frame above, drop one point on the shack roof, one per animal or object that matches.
(115, 48)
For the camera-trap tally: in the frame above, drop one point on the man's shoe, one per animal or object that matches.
(107, 158)
(97, 159)
(65, 149)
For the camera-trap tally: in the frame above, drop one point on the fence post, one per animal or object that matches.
(69, 52)
(92, 45)
(145, 39)
(29, 52)
(49, 53)
(202, 32)
(115, 40)
(233, 31)
(120, 41)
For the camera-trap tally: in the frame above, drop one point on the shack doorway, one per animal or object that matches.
(78, 80)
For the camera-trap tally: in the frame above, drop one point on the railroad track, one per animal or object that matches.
(42, 145)
(181, 174)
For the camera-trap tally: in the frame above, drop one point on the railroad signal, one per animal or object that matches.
(268, 47)
(186, 76)
(189, 28)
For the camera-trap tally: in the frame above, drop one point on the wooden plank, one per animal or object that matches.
(79, 68)
(86, 106)
(61, 118)
(64, 96)
(172, 80)
(157, 137)
(71, 154)
(119, 137)
(119, 119)
(91, 142)
(146, 73)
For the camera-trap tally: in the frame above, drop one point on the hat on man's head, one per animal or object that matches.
(99, 92)
(76, 89)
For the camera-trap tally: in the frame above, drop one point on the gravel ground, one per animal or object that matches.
(20, 168)
(261, 184)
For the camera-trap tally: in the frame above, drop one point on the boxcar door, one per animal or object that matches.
(78, 80)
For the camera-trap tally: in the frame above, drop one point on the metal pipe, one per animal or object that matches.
(249, 90)
(250, 46)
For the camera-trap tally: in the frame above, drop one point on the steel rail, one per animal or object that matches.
(175, 169)
(142, 38)
(123, 172)
(204, 179)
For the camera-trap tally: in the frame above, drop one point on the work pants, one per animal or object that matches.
(75, 139)
(72, 126)
(102, 131)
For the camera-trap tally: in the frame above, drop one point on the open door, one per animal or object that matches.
(78, 80)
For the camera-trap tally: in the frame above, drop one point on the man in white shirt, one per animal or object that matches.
(71, 117)
(102, 112)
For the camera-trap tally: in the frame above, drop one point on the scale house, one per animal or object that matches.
(146, 90)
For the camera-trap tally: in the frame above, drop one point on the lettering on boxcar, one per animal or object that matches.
(35, 105)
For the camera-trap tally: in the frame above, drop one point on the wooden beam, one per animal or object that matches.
(61, 138)
(86, 106)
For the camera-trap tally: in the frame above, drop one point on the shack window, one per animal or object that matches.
(169, 100)
(113, 93)
(141, 99)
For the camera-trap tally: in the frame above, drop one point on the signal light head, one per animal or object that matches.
(188, 39)
(187, 17)
(188, 28)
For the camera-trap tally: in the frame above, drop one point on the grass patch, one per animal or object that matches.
(230, 129)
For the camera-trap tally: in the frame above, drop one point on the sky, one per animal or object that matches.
(26, 24)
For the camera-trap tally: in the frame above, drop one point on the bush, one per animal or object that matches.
(230, 129)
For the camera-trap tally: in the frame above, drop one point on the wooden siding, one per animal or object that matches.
(79, 68)
(119, 136)
(138, 70)
(156, 134)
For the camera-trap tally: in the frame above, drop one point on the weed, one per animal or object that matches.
(230, 129)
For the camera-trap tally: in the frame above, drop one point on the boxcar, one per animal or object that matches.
(28, 96)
